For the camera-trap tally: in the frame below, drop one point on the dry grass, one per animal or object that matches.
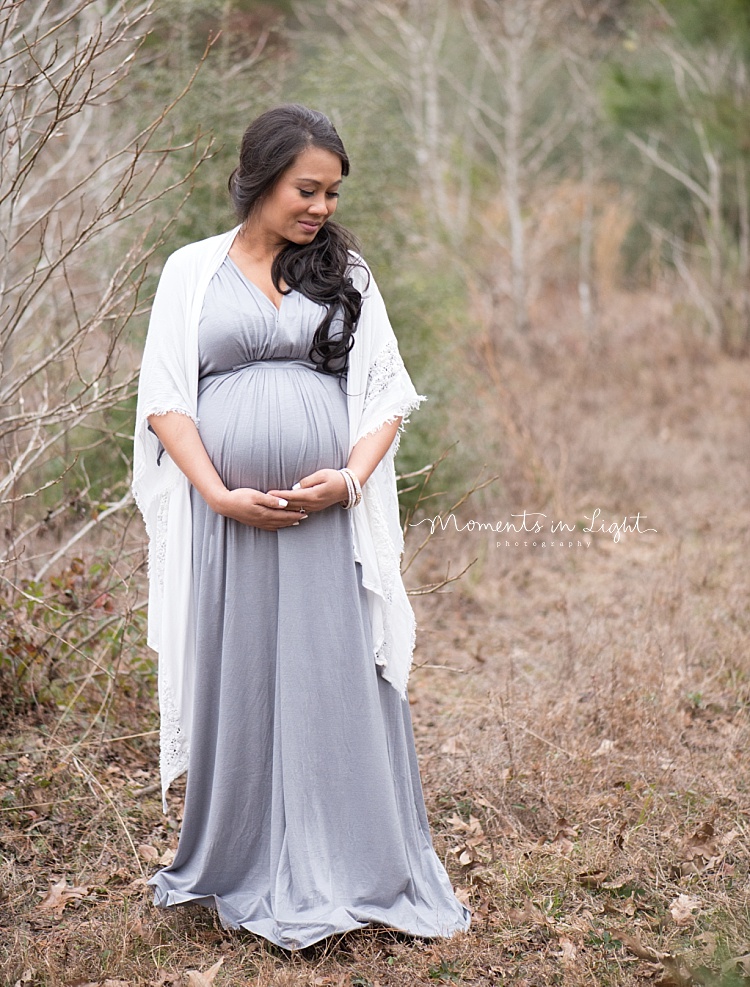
(581, 713)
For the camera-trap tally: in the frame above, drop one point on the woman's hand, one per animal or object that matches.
(257, 509)
(180, 438)
(315, 492)
(327, 487)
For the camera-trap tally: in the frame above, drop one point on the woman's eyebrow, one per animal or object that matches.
(314, 181)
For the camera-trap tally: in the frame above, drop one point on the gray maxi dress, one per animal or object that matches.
(304, 813)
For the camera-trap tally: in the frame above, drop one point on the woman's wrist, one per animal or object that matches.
(353, 488)
(217, 498)
(345, 493)
(370, 450)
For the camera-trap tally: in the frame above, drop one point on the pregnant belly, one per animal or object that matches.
(269, 424)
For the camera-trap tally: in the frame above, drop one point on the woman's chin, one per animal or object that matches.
(300, 238)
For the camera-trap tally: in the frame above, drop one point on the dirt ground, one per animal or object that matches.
(580, 702)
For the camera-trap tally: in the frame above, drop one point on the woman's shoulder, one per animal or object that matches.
(359, 271)
(197, 252)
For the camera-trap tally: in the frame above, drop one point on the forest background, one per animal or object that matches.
(553, 195)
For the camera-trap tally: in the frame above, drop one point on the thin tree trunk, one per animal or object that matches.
(513, 191)
(715, 248)
(744, 253)
(743, 208)
(586, 247)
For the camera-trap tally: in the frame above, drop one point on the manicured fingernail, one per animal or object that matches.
(296, 486)
(282, 502)
(295, 523)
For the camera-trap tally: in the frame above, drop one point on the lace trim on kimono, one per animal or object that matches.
(157, 556)
(391, 505)
(174, 752)
(389, 568)
(171, 411)
(381, 377)
(383, 371)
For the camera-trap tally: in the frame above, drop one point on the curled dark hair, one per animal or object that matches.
(319, 269)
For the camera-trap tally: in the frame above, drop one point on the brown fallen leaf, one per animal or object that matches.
(605, 747)
(105, 983)
(620, 907)
(463, 895)
(642, 951)
(471, 853)
(563, 837)
(148, 853)
(565, 831)
(58, 897)
(593, 878)
(454, 745)
(530, 914)
(166, 978)
(569, 953)
(698, 853)
(739, 964)
(197, 979)
(487, 909)
(684, 908)
(729, 837)
(674, 971)
(466, 858)
(473, 827)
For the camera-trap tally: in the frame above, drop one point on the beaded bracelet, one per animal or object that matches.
(350, 488)
(350, 496)
(353, 487)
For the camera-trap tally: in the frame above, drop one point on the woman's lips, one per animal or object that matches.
(310, 227)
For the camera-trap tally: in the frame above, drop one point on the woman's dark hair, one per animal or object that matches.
(318, 269)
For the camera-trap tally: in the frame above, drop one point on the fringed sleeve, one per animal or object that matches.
(380, 391)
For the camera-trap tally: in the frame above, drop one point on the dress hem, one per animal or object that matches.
(343, 919)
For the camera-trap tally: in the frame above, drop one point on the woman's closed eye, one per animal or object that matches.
(307, 193)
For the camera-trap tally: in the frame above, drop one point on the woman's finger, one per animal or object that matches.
(274, 500)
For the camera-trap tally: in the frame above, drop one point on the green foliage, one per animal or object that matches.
(636, 100)
(603, 940)
(446, 971)
(679, 88)
(705, 21)
(645, 92)
(376, 197)
(428, 314)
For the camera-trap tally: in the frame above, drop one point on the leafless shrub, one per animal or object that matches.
(81, 172)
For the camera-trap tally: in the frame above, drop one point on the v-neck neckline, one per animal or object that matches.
(277, 308)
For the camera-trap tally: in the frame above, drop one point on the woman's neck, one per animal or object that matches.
(258, 245)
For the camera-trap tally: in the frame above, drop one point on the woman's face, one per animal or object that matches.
(304, 197)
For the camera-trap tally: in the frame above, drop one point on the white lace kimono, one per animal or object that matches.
(379, 390)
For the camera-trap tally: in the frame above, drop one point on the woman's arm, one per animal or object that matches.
(179, 436)
(327, 487)
(368, 452)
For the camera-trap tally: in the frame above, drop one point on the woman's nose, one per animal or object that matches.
(318, 206)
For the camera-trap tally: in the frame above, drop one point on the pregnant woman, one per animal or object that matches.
(270, 400)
